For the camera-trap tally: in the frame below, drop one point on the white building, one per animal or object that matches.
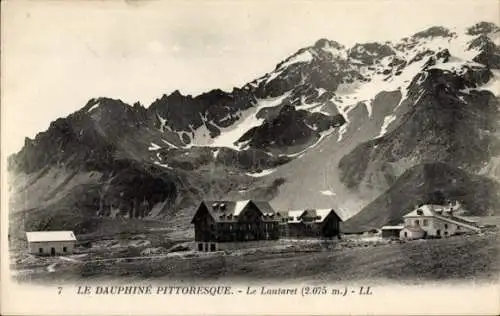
(51, 243)
(435, 221)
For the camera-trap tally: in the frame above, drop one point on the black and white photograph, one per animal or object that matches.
(267, 155)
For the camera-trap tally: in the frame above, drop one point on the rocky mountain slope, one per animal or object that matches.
(330, 126)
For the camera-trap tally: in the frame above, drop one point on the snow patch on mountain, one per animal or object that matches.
(459, 47)
(328, 193)
(153, 147)
(457, 44)
(261, 173)
(162, 165)
(303, 57)
(312, 107)
(365, 92)
(273, 76)
(457, 67)
(387, 121)
(249, 120)
(168, 143)
(335, 52)
(163, 122)
(358, 91)
(320, 91)
(95, 106)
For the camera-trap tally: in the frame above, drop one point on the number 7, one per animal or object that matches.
(60, 289)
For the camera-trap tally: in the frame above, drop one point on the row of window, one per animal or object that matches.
(212, 247)
(425, 222)
(246, 237)
(438, 233)
(53, 250)
(266, 226)
(304, 219)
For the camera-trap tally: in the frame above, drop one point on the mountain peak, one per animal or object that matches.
(368, 53)
(434, 31)
(482, 28)
(176, 93)
(326, 43)
(94, 103)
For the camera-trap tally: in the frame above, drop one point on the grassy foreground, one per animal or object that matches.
(464, 258)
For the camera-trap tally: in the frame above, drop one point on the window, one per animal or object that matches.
(445, 226)
(425, 222)
(458, 227)
(212, 247)
(446, 233)
(406, 234)
(40, 250)
(200, 247)
(65, 249)
(417, 222)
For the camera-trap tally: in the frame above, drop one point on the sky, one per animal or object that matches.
(57, 55)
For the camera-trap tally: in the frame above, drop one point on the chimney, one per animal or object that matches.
(438, 210)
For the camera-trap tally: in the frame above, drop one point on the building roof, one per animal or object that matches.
(389, 227)
(239, 206)
(459, 221)
(40, 236)
(322, 213)
(316, 215)
(228, 211)
(466, 220)
(424, 210)
(292, 215)
(265, 207)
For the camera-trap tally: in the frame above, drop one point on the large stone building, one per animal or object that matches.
(435, 221)
(221, 225)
